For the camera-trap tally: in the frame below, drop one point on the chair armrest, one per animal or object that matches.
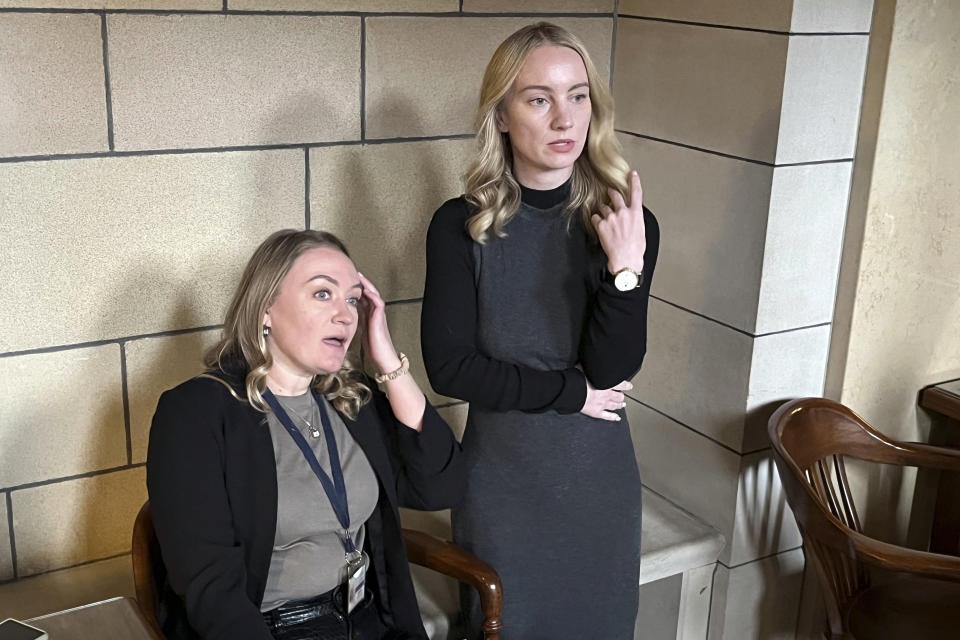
(451, 560)
(895, 558)
(921, 454)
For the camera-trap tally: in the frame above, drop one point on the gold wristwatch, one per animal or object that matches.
(626, 279)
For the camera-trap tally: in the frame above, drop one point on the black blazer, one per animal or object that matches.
(212, 481)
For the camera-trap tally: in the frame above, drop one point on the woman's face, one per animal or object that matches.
(547, 113)
(314, 315)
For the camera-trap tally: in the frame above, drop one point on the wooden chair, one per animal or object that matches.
(422, 549)
(871, 589)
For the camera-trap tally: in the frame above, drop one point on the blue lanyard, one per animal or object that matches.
(336, 490)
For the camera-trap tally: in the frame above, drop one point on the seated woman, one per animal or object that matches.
(275, 477)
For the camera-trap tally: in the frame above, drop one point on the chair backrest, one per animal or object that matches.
(147, 566)
(810, 439)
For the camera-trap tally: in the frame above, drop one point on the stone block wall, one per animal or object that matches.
(146, 147)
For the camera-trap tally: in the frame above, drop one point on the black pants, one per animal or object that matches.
(324, 618)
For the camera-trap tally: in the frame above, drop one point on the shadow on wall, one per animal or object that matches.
(81, 540)
(769, 528)
(109, 511)
(384, 205)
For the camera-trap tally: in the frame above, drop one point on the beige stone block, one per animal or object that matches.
(380, 198)
(804, 237)
(404, 322)
(52, 95)
(696, 371)
(718, 89)
(763, 522)
(187, 81)
(784, 365)
(170, 5)
(6, 551)
(713, 215)
(830, 16)
(66, 523)
(109, 247)
(536, 6)
(687, 468)
(456, 417)
(770, 14)
(393, 6)
(822, 90)
(436, 523)
(61, 414)
(153, 366)
(758, 600)
(420, 85)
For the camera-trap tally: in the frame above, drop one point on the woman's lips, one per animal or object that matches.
(562, 146)
(335, 342)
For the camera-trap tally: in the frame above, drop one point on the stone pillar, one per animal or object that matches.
(742, 119)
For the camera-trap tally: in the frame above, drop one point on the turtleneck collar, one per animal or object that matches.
(544, 199)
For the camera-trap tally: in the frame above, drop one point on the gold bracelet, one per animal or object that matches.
(396, 373)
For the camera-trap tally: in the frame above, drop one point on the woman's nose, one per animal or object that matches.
(561, 118)
(343, 313)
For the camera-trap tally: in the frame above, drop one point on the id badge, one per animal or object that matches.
(356, 581)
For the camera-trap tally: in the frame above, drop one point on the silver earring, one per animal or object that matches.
(266, 331)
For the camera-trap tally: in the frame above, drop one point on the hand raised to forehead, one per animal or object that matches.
(621, 230)
(377, 343)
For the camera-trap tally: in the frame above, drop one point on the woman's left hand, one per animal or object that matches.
(377, 343)
(621, 230)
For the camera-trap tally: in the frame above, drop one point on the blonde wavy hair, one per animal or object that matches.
(490, 184)
(243, 338)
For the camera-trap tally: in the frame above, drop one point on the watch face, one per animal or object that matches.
(626, 280)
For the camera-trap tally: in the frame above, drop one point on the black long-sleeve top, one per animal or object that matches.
(612, 345)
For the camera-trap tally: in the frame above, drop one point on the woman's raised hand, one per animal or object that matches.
(377, 343)
(620, 228)
(406, 399)
(601, 403)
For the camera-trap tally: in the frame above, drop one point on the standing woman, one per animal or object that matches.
(535, 311)
(274, 478)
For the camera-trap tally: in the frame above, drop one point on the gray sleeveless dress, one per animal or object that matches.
(553, 501)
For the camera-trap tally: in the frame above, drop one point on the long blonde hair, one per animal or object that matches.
(490, 184)
(243, 339)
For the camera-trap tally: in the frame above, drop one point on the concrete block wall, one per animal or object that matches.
(146, 147)
(742, 119)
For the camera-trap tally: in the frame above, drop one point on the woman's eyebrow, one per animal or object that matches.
(541, 87)
(322, 276)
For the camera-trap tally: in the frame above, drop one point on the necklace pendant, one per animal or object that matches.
(314, 432)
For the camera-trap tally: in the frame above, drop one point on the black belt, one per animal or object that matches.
(300, 611)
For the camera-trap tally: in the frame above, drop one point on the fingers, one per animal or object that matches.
(598, 218)
(636, 191)
(626, 385)
(616, 199)
(613, 401)
(370, 291)
(612, 417)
